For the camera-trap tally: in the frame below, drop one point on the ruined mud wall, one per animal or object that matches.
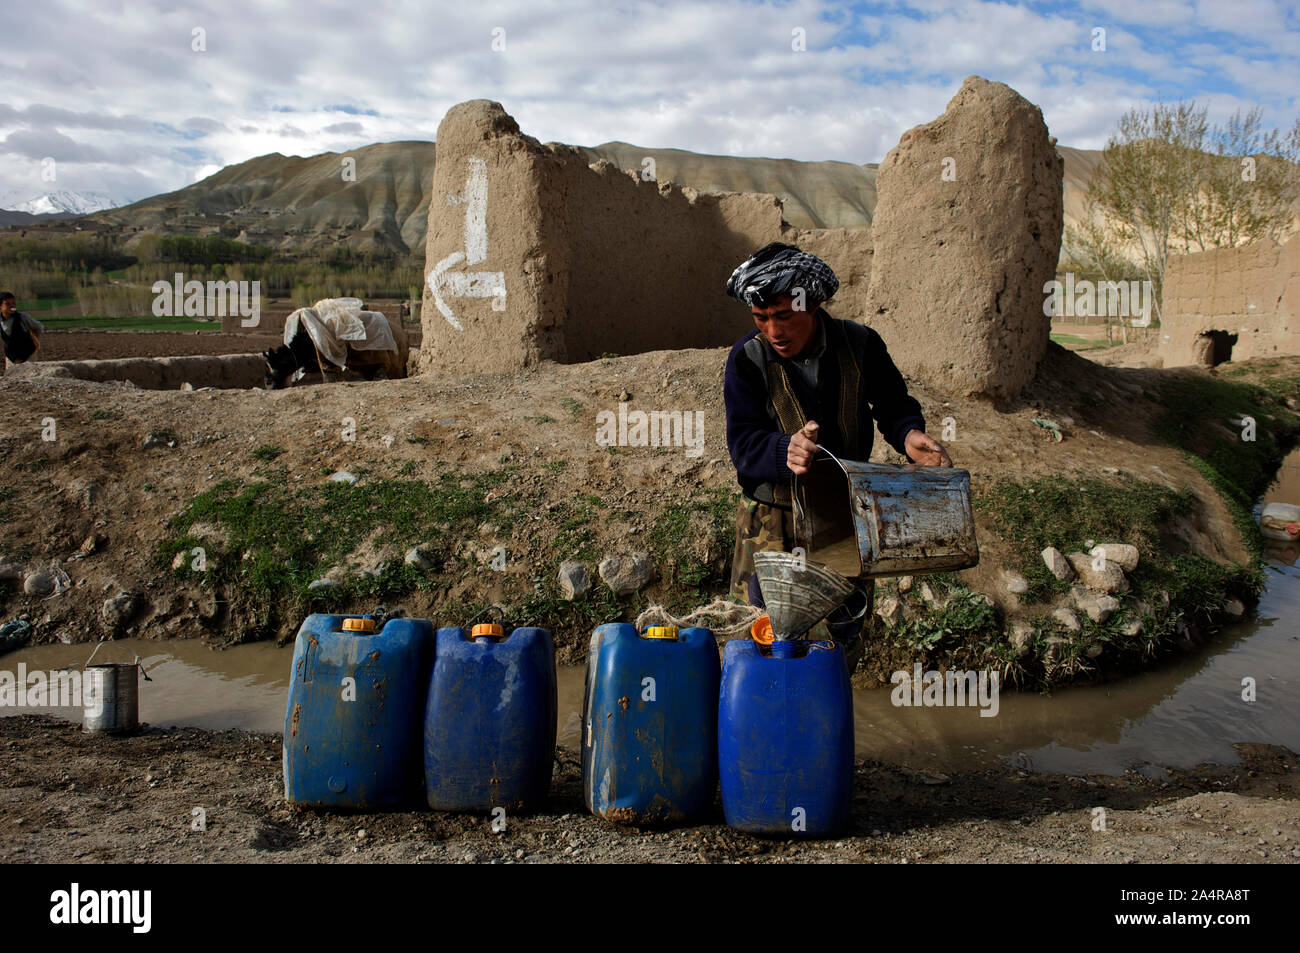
(532, 254)
(562, 260)
(1252, 291)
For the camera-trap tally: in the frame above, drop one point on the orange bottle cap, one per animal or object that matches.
(358, 624)
(761, 630)
(661, 632)
(487, 628)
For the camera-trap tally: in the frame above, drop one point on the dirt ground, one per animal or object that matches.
(69, 797)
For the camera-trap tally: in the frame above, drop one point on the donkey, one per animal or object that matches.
(282, 361)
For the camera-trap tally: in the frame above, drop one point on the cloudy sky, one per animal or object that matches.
(137, 98)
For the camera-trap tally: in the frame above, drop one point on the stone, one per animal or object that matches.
(322, 584)
(886, 608)
(178, 561)
(1021, 637)
(904, 583)
(118, 610)
(1122, 554)
(343, 476)
(1068, 620)
(1052, 645)
(1094, 650)
(1131, 627)
(1015, 583)
(929, 597)
(625, 573)
(1098, 607)
(1098, 574)
(416, 557)
(40, 584)
(159, 438)
(1058, 564)
(966, 232)
(574, 580)
(1234, 609)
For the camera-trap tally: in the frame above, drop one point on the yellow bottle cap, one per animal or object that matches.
(661, 632)
(761, 630)
(486, 628)
(358, 624)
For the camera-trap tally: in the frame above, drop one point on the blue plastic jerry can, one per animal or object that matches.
(352, 726)
(785, 738)
(489, 728)
(649, 724)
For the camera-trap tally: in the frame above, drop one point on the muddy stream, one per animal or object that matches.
(1187, 711)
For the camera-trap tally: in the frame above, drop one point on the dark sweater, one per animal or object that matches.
(754, 438)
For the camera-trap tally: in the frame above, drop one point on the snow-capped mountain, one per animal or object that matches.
(61, 202)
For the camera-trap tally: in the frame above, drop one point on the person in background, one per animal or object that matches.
(800, 381)
(20, 332)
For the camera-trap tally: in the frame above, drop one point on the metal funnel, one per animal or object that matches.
(799, 594)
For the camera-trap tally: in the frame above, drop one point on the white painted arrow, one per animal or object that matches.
(473, 284)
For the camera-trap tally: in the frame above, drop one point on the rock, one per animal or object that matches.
(118, 610)
(968, 224)
(904, 583)
(1094, 650)
(1108, 578)
(1058, 564)
(1015, 583)
(625, 573)
(179, 559)
(1021, 637)
(40, 584)
(1132, 627)
(1067, 619)
(887, 608)
(159, 438)
(322, 584)
(1053, 643)
(1122, 554)
(1234, 609)
(417, 558)
(574, 580)
(1099, 608)
(929, 597)
(343, 476)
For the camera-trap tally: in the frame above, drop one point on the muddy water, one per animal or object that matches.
(1187, 711)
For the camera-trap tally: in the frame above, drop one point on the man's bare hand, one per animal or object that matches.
(923, 449)
(803, 447)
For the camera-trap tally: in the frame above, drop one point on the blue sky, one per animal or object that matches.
(121, 97)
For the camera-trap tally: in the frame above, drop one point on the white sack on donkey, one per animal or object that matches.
(337, 334)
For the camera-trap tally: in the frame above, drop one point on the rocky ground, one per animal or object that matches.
(69, 797)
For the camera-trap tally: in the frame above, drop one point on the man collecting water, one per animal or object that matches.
(800, 381)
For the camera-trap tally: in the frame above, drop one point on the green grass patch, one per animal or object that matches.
(675, 537)
(1065, 513)
(574, 407)
(267, 452)
(1201, 417)
(280, 537)
(1077, 343)
(149, 323)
